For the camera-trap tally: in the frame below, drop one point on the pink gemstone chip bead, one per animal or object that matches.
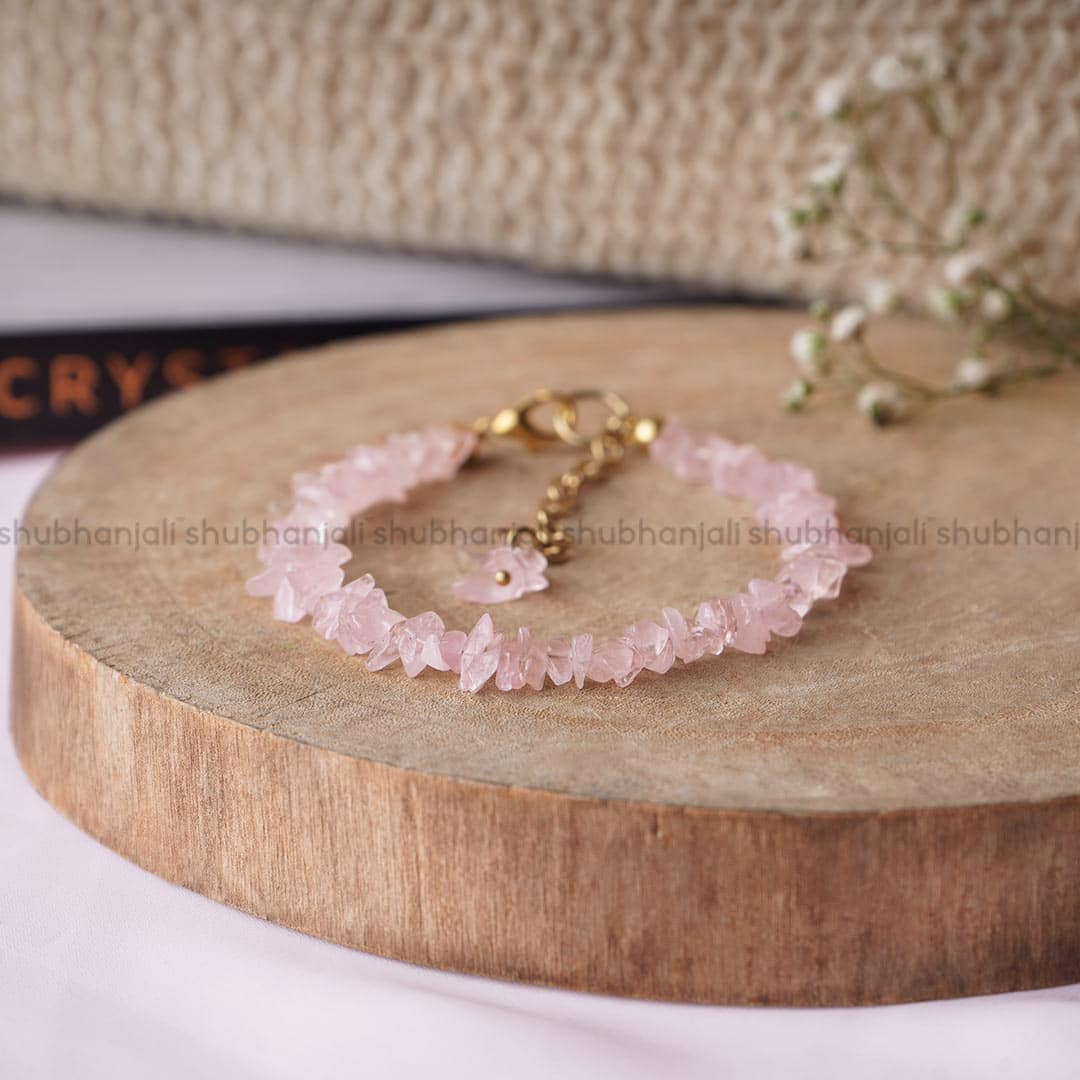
(480, 655)
(522, 662)
(613, 661)
(690, 641)
(653, 646)
(416, 642)
(297, 576)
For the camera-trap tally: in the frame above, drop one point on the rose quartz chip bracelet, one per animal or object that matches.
(303, 563)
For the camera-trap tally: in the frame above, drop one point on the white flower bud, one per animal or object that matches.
(780, 220)
(995, 305)
(882, 402)
(881, 297)
(919, 60)
(829, 175)
(832, 97)
(795, 246)
(809, 353)
(796, 395)
(790, 219)
(946, 304)
(974, 373)
(891, 75)
(848, 322)
(929, 54)
(960, 220)
(961, 268)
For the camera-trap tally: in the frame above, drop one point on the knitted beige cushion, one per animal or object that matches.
(639, 137)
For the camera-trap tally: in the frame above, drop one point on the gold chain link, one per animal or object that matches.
(622, 431)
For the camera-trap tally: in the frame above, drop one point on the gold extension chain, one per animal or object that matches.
(622, 431)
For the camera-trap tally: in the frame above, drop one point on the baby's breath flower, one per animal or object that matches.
(930, 54)
(881, 296)
(794, 245)
(920, 60)
(848, 322)
(882, 402)
(832, 97)
(809, 352)
(790, 223)
(995, 305)
(891, 74)
(974, 373)
(788, 219)
(946, 304)
(983, 275)
(829, 175)
(964, 267)
(796, 395)
(960, 221)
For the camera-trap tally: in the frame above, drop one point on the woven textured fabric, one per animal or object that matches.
(647, 138)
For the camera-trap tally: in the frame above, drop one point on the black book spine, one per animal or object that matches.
(58, 387)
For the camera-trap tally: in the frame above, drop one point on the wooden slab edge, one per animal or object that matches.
(625, 898)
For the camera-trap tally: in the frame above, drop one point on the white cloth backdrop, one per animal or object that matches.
(106, 971)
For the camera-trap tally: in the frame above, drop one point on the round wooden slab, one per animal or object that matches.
(886, 808)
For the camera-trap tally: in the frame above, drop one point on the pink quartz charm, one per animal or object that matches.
(506, 573)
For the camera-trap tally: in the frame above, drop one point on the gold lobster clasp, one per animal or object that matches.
(606, 446)
(520, 421)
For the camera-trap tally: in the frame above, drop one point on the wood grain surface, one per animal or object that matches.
(886, 808)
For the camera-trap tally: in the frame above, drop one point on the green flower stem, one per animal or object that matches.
(868, 162)
(874, 367)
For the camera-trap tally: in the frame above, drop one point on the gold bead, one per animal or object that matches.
(504, 422)
(645, 430)
(502, 577)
